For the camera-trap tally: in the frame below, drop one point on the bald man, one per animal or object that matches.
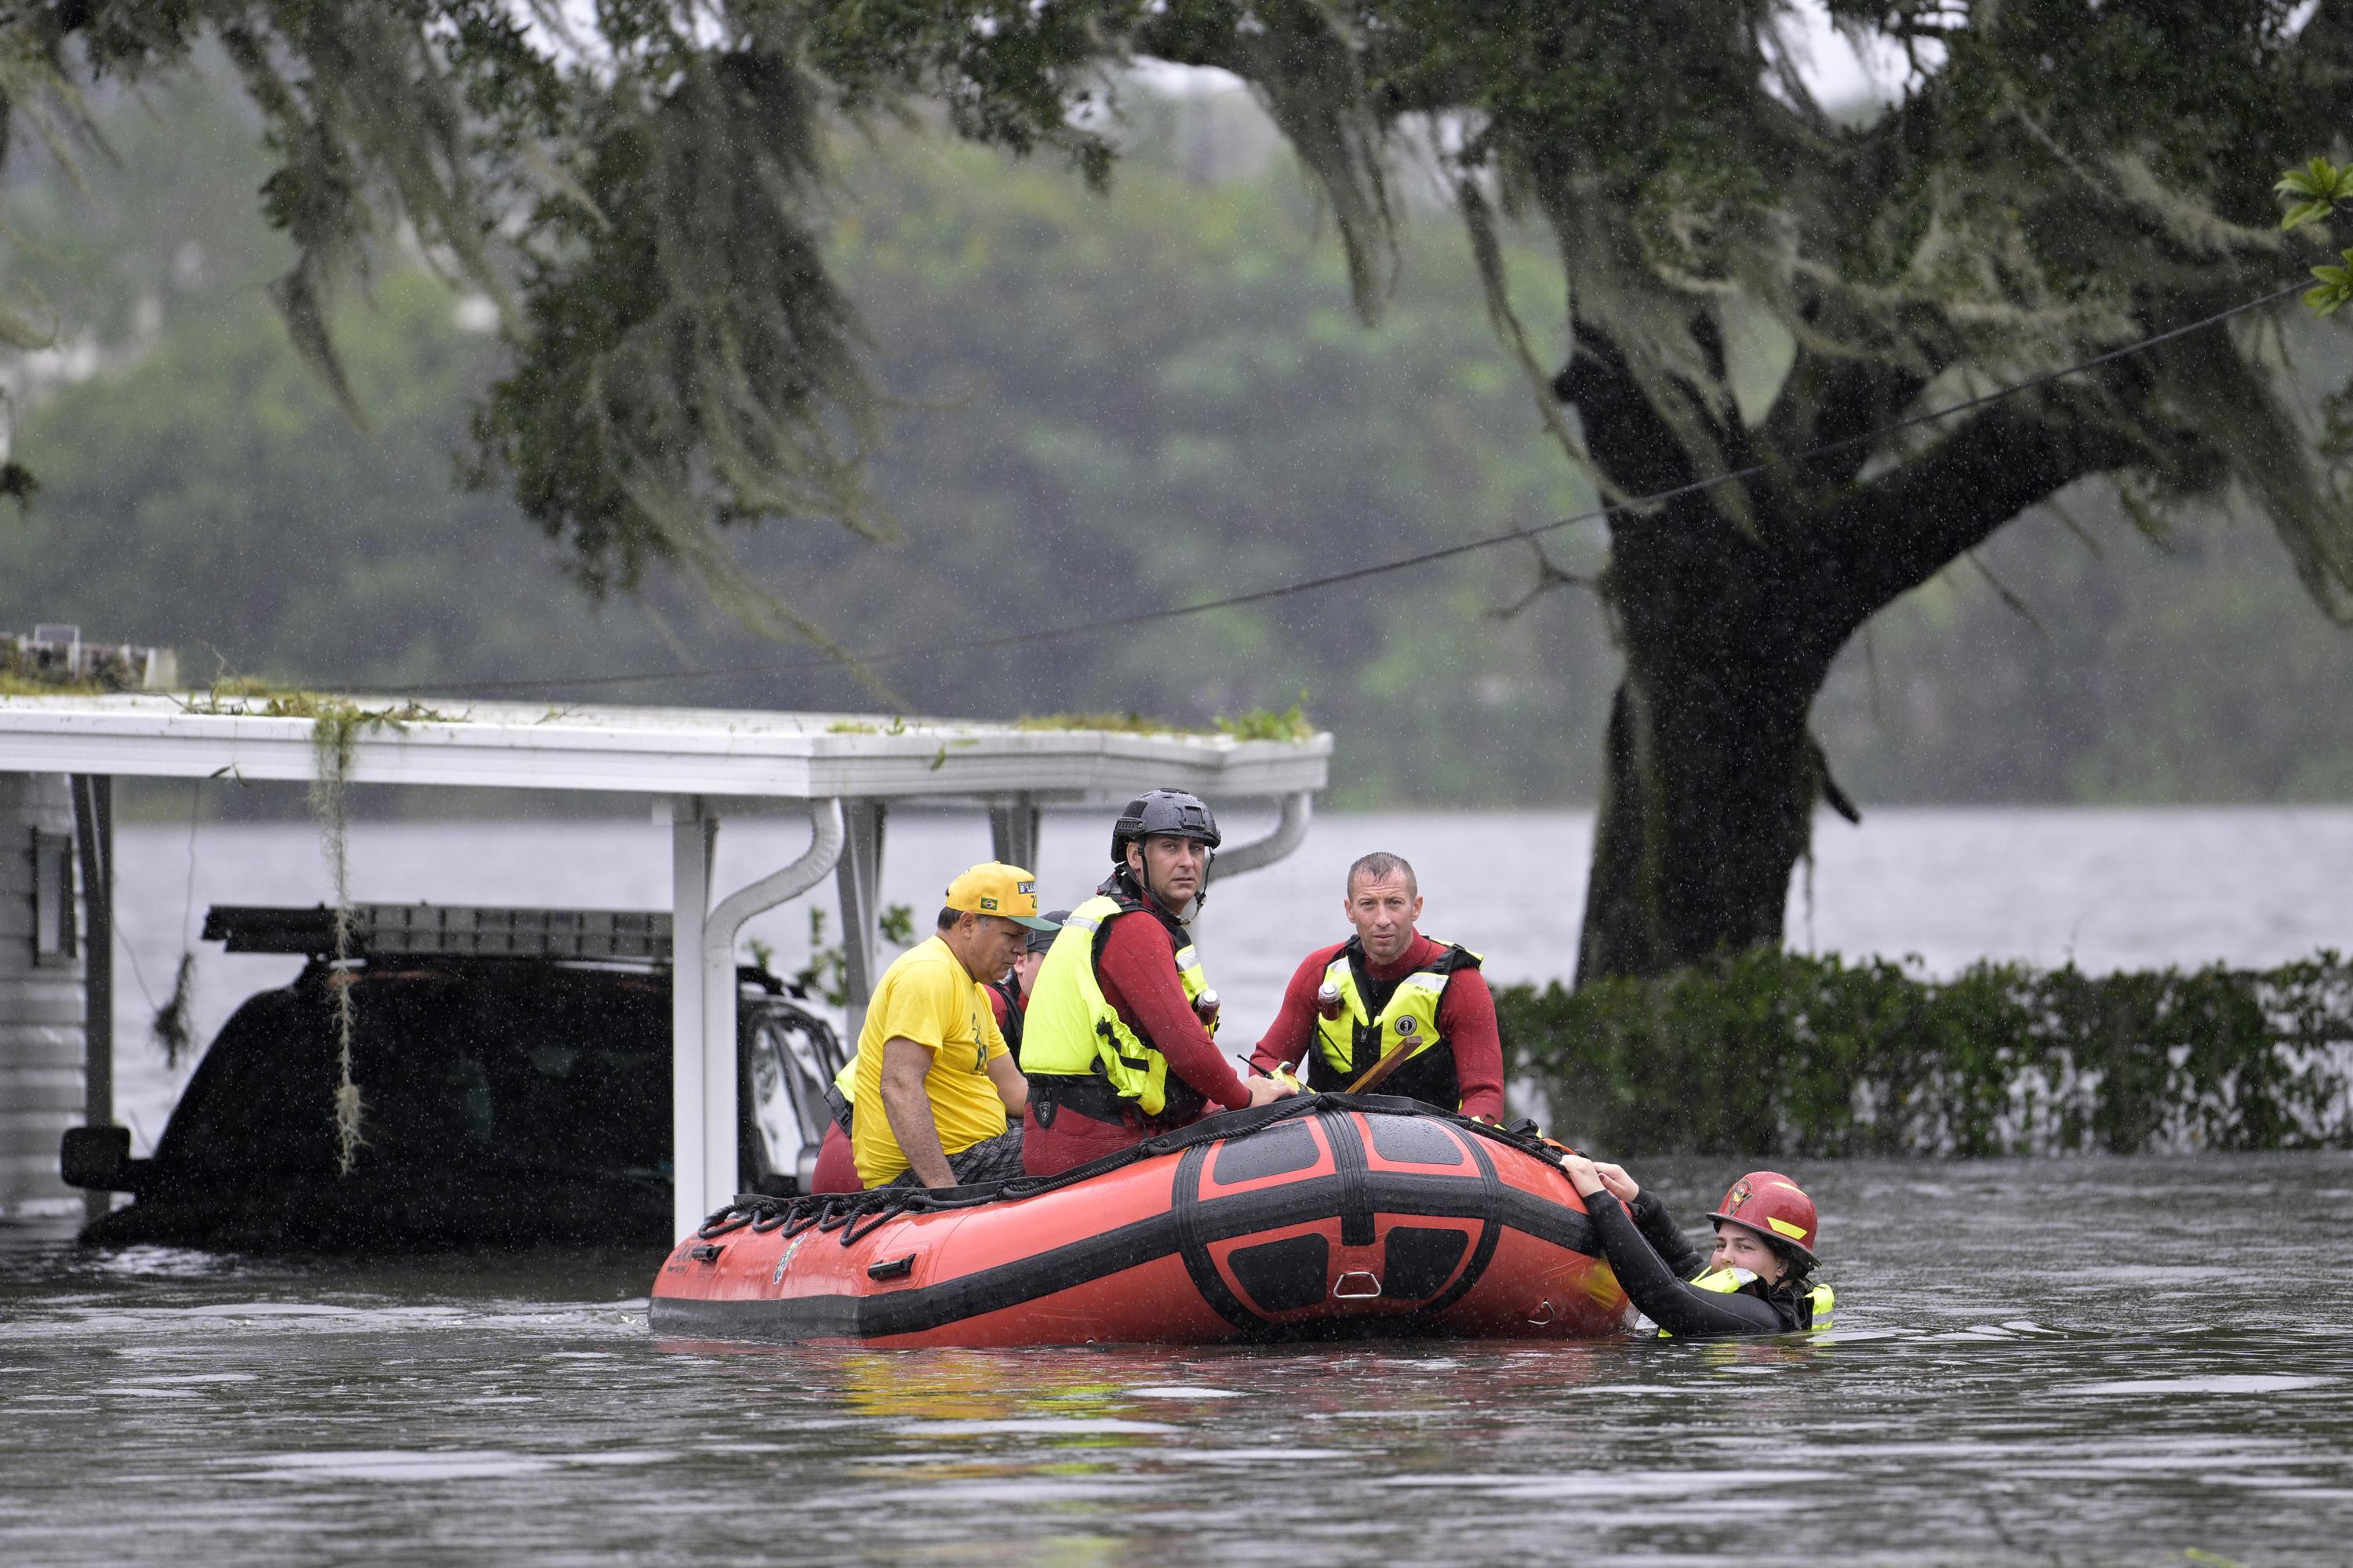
(1400, 990)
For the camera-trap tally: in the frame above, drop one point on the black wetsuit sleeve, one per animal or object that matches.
(1679, 1309)
(1659, 1228)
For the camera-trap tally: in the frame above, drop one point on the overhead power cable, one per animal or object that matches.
(1377, 568)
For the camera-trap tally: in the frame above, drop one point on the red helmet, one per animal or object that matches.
(1770, 1204)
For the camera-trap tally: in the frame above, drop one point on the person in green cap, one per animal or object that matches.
(931, 1058)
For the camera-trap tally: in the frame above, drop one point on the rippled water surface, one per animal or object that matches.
(2096, 1360)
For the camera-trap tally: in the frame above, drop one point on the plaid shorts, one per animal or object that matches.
(990, 1161)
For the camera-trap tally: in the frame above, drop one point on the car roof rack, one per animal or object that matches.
(444, 930)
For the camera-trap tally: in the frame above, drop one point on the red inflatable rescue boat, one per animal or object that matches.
(1322, 1218)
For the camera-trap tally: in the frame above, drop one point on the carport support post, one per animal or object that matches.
(1013, 831)
(93, 799)
(722, 1124)
(694, 833)
(858, 883)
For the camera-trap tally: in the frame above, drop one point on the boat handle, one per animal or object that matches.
(1542, 1315)
(708, 1251)
(896, 1268)
(1341, 1291)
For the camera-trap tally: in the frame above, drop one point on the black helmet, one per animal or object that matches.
(1162, 814)
(1039, 941)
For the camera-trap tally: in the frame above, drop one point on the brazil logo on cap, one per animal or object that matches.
(987, 902)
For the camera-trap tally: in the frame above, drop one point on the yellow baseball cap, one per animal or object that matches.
(1006, 891)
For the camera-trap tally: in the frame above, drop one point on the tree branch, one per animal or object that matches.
(1550, 574)
(1898, 532)
(1828, 400)
(1643, 456)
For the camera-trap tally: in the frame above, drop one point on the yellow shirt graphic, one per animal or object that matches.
(926, 997)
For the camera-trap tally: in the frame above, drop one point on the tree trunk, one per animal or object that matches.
(1728, 630)
(1710, 778)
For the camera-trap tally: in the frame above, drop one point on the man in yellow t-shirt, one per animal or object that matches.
(930, 1058)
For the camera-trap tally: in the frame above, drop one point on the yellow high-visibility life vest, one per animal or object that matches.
(1073, 1031)
(1820, 1301)
(1350, 1043)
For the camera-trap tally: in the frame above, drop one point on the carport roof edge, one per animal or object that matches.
(645, 750)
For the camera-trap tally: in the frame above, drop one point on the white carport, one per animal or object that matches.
(708, 763)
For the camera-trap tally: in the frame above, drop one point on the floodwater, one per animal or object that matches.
(2098, 1360)
(2094, 1360)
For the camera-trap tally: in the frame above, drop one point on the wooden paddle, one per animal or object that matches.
(1391, 1060)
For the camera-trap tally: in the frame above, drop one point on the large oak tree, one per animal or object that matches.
(1752, 279)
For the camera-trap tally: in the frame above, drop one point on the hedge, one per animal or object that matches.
(1786, 1054)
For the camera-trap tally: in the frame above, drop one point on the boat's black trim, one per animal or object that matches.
(1495, 1199)
(1419, 1259)
(1413, 1141)
(1546, 1221)
(1285, 1275)
(1187, 1230)
(1356, 1191)
(1185, 1206)
(1276, 1150)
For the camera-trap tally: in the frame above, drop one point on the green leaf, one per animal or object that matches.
(2318, 187)
(2303, 212)
(2320, 179)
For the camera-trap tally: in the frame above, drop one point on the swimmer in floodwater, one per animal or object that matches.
(1758, 1280)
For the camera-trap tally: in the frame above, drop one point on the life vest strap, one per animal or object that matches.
(1092, 1097)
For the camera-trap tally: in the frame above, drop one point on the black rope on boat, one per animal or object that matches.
(726, 1220)
(856, 1215)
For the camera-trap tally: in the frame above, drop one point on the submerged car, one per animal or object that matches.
(514, 1074)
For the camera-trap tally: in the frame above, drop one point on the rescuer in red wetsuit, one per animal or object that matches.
(1394, 989)
(1116, 1044)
